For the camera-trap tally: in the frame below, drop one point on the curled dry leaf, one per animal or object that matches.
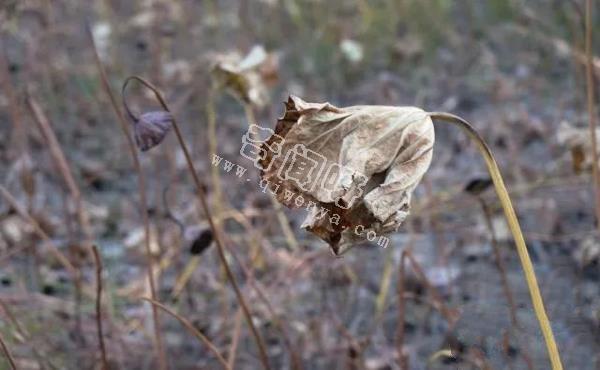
(354, 169)
(151, 128)
(246, 78)
(577, 141)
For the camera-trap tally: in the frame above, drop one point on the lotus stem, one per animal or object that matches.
(101, 344)
(158, 342)
(515, 228)
(190, 327)
(591, 108)
(402, 358)
(211, 118)
(281, 217)
(9, 357)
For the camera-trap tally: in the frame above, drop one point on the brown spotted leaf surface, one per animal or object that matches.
(354, 168)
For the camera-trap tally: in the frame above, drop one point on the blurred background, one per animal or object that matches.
(514, 68)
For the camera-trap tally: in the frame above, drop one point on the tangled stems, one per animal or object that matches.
(515, 228)
(207, 212)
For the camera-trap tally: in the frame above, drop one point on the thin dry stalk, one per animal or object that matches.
(7, 354)
(60, 160)
(237, 330)
(101, 344)
(591, 108)
(487, 212)
(25, 338)
(355, 347)
(477, 358)
(40, 232)
(561, 46)
(160, 350)
(157, 41)
(213, 225)
(438, 235)
(240, 218)
(402, 358)
(281, 217)
(190, 327)
(506, 350)
(296, 363)
(254, 241)
(515, 228)
(449, 315)
(12, 252)
(185, 276)
(18, 135)
(384, 285)
(211, 117)
(217, 193)
(63, 168)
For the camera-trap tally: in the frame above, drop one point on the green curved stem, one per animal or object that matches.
(515, 228)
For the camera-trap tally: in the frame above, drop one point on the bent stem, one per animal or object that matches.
(37, 229)
(158, 343)
(515, 228)
(211, 221)
(190, 327)
(60, 160)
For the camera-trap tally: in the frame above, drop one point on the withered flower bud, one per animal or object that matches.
(202, 242)
(354, 169)
(151, 128)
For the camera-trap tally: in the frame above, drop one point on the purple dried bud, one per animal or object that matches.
(151, 128)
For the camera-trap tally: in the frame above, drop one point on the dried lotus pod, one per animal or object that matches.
(353, 168)
(151, 128)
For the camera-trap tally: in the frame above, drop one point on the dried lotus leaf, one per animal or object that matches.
(242, 78)
(353, 168)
